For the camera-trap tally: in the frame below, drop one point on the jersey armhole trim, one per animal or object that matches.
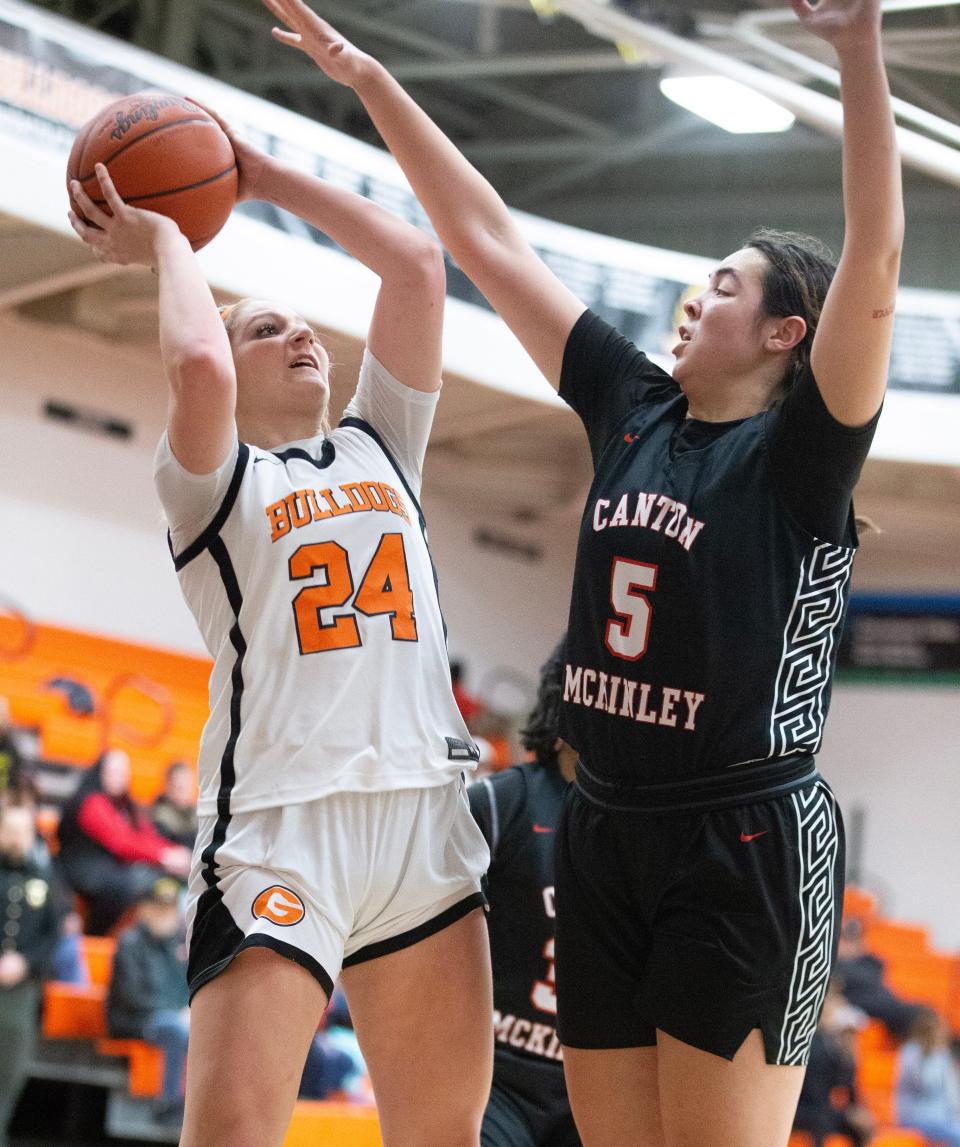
(362, 424)
(216, 525)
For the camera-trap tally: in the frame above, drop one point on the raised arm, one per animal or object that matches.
(469, 216)
(851, 349)
(193, 343)
(406, 330)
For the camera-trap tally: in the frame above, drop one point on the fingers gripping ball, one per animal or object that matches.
(164, 153)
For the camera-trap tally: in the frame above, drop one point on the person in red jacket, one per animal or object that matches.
(109, 850)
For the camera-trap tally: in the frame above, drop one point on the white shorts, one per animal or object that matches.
(333, 882)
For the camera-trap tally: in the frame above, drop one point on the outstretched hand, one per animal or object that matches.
(842, 23)
(123, 235)
(332, 53)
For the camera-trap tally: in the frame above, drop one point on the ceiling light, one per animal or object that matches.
(729, 105)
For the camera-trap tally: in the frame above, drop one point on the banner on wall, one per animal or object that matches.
(54, 75)
(902, 638)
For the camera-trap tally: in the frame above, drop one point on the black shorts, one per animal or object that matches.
(703, 925)
(528, 1105)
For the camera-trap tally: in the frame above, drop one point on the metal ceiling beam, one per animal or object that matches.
(937, 160)
(745, 30)
(627, 151)
(788, 16)
(528, 151)
(383, 28)
(529, 105)
(933, 67)
(532, 64)
(573, 148)
(920, 94)
(479, 67)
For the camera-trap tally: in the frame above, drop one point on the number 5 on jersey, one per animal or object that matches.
(628, 633)
(384, 589)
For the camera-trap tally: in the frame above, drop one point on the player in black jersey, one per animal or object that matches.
(518, 811)
(700, 859)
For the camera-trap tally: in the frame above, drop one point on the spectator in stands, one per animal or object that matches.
(148, 997)
(67, 964)
(828, 1101)
(11, 759)
(860, 975)
(470, 707)
(928, 1086)
(29, 929)
(174, 811)
(109, 851)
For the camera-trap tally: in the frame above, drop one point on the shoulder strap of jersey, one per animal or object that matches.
(217, 522)
(362, 424)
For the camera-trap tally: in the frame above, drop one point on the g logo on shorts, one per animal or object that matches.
(279, 905)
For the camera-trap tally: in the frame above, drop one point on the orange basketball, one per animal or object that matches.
(164, 153)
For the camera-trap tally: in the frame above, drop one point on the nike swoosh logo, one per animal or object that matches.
(263, 458)
(541, 828)
(746, 837)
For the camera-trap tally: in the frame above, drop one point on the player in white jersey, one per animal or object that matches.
(335, 835)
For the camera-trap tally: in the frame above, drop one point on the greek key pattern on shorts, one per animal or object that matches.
(818, 843)
(796, 720)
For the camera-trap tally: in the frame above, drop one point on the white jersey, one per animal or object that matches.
(308, 572)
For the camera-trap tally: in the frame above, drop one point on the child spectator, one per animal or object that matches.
(109, 851)
(928, 1088)
(174, 811)
(29, 929)
(148, 997)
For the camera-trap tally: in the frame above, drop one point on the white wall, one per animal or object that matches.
(896, 752)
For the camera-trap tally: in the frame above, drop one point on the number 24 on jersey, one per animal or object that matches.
(383, 589)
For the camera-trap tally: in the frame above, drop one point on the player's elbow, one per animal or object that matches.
(490, 251)
(422, 268)
(201, 370)
(881, 244)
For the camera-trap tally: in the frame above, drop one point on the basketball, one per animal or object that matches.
(165, 154)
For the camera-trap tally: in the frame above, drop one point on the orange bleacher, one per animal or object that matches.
(98, 662)
(915, 971)
(78, 1011)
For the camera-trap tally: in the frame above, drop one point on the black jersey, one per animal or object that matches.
(711, 581)
(517, 811)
